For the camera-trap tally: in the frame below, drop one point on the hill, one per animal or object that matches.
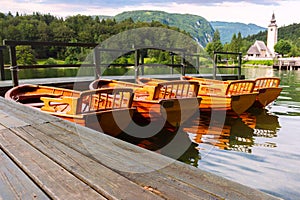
(198, 27)
(227, 29)
(290, 33)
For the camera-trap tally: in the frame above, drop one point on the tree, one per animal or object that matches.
(25, 55)
(283, 47)
(294, 51)
(215, 45)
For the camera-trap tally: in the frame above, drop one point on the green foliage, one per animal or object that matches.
(228, 29)
(198, 27)
(259, 62)
(25, 55)
(215, 45)
(294, 52)
(51, 61)
(79, 28)
(283, 47)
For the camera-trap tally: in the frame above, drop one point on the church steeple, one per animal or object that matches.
(272, 35)
(273, 21)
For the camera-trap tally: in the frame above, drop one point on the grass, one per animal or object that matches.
(259, 62)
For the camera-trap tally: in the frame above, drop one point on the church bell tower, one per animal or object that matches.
(272, 35)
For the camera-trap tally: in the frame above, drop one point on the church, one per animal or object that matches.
(259, 50)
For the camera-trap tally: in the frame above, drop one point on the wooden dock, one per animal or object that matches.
(287, 64)
(44, 157)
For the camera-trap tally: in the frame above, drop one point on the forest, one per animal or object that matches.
(79, 28)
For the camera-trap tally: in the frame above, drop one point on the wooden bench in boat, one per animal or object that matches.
(156, 90)
(90, 101)
(267, 82)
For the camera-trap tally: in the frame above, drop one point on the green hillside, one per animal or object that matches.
(198, 27)
(227, 29)
(290, 33)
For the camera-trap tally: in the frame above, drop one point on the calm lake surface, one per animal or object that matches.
(261, 149)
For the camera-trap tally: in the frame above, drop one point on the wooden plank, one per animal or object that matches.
(140, 168)
(110, 151)
(22, 115)
(1, 126)
(166, 171)
(56, 182)
(14, 184)
(9, 121)
(102, 179)
(212, 183)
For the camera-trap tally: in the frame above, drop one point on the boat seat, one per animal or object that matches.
(36, 96)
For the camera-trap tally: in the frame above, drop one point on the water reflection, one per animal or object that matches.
(237, 133)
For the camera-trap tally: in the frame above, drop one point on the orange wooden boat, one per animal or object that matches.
(172, 101)
(268, 90)
(106, 110)
(236, 96)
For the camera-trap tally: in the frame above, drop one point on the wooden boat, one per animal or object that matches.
(268, 90)
(106, 110)
(171, 101)
(236, 96)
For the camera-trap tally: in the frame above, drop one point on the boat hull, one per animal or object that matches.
(173, 112)
(95, 109)
(267, 96)
(113, 122)
(236, 103)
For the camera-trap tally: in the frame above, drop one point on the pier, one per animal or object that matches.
(287, 64)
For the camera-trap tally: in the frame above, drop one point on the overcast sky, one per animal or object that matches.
(257, 11)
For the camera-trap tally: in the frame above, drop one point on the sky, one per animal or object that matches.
(258, 12)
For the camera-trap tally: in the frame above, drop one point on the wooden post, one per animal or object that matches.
(97, 63)
(142, 60)
(2, 73)
(172, 62)
(240, 66)
(198, 63)
(183, 63)
(215, 66)
(14, 67)
(136, 65)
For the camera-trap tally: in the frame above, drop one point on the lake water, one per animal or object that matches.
(261, 149)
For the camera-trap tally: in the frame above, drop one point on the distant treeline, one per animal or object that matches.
(46, 27)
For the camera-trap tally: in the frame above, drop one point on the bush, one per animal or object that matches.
(51, 61)
(259, 62)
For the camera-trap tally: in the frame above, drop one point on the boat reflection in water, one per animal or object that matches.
(238, 133)
(251, 129)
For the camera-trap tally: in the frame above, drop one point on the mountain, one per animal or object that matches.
(198, 27)
(227, 29)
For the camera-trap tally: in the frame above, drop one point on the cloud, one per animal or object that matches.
(108, 3)
(255, 11)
